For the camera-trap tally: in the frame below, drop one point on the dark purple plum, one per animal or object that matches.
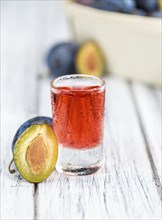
(61, 59)
(147, 5)
(124, 6)
(140, 12)
(157, 14)
(84, 2)
(27, 124)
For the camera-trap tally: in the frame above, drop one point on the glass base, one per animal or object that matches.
(79, 162)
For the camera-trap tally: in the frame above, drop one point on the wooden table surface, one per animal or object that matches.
(129, 184)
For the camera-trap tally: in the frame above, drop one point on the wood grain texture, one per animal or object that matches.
(27, 33)
(149, 108)
(19, 100)
(123, 188)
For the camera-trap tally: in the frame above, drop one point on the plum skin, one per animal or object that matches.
(22, 148)
(147, 5)
(124, 6)
(25, 125)
(60, 59)
(138, 7)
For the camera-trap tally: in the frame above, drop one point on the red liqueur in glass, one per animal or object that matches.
(78, 117)
(78, 114)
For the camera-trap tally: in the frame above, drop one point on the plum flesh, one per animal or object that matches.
(35, 149)
(25, 125)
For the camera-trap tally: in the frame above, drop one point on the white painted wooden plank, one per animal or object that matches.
(158, 93)
(25, 26)
(149, 107)
(53, 28)
(16, 194)
(44, 105)
(108, 193)
(123, 188)
(19, 100)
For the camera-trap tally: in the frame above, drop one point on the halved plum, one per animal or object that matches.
(90, 59)
(35, 151)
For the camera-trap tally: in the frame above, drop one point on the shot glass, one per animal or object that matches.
(78, 119)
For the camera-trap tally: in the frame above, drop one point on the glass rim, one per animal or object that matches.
(98, 88)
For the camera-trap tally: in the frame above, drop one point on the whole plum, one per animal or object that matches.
(147, 5)
(124, 6)
(140, 12)
(60, 59)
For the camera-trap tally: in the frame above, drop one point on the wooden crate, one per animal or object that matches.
(131, 43)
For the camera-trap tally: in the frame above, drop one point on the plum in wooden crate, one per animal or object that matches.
(131, 43)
